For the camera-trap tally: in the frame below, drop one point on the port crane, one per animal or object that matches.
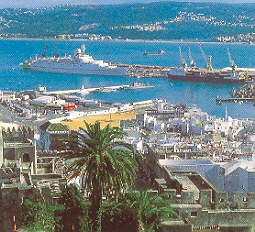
(192, 62)
(231, 61)
(208, 60)
(183, 62)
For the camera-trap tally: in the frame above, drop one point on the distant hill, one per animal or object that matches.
(159, 20)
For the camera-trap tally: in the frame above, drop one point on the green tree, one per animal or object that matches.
(37, 216)
(74, 214)
(105, 164)
(150, 210)
(118, 217)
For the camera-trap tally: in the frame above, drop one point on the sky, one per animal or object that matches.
(41, 3)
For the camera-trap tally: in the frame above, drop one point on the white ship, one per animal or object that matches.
(80, 63)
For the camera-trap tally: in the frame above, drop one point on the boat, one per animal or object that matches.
(80, 63)
(205, 75)
(159, 53)
(137, 85)
(209, 75)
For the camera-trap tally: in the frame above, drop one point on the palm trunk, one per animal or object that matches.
(96, 198)
(141, 226)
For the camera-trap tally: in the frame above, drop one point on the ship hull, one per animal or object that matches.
(205, 79)
(81, 71)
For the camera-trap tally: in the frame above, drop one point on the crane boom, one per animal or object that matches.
(204, 56)
(192, 63)
(231, 61)
(183, 62)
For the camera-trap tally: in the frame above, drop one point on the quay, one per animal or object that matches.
(83, 90)
(239, 100)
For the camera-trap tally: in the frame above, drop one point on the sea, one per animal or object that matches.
(203, 95)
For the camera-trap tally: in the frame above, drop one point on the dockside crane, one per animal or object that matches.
(208, 60)
(192, 62)
(231, 61)
(183, 62)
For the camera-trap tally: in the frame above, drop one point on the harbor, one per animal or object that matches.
(190, 92)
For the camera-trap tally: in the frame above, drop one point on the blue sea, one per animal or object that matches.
(12, 77)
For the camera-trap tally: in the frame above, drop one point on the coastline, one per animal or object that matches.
(128, 41)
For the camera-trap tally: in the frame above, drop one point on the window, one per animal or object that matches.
(25, 158)
(193, 214)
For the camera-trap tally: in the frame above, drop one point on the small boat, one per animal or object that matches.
(159, 53)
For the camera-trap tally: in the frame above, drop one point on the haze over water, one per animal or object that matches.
(12, 77)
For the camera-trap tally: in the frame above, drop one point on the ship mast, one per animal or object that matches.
(83, 48)
(56, 54)
(44, 51)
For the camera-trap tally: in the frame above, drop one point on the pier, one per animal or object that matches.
(235, 100)
(83, 90)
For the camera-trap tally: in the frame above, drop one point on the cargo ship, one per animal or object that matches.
(229, 75)
(80, 63)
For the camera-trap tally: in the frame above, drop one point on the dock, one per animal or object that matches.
(83, 90)
(235, 100)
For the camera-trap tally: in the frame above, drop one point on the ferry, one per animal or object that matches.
(80, 63)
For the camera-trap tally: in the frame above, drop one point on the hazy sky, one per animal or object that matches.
(40, 3)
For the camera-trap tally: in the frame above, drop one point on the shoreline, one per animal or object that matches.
(128, 41)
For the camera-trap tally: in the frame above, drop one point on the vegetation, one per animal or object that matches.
(52, 21)
(37, 216)
(119, 217)
(104, 163)
(150, 210)
(73, 216)
(107, 167)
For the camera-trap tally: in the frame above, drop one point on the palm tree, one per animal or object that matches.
(150, 210)
(104, 162)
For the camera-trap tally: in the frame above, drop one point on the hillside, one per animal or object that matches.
(162, 20)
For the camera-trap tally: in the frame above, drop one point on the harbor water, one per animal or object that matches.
(12, 77)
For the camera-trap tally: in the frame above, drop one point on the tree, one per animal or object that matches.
(37, 216)
(73, 216)
(118, 217)
(150, 210)
(104, 163)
